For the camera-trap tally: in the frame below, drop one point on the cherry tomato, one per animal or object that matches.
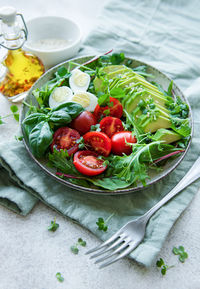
(83, 122)
(87, 163)
(110, 125)
(65, 138)
(115, 109)
(119, 142)
(98, 142)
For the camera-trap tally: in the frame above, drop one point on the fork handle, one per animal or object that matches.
(192, 175)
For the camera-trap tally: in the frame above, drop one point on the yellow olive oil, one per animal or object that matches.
(23, 69)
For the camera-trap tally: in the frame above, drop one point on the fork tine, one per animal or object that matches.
(111, 239)
(117, 242)
(121, 247)
(123, 254)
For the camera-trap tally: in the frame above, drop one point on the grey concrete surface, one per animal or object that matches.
(30, 255)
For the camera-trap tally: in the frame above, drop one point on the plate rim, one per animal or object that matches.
(97, 191)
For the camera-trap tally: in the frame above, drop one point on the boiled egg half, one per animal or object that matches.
(86, 99)
(79, 80)
(59, 96)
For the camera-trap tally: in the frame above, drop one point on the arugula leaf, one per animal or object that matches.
(42, 94)
(181, 126)
(142, 71)
(117, 58)
(62, 161)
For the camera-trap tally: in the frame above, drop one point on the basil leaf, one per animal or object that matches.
(34, 118)
(40, 138)
(60, 117)
(73, 108)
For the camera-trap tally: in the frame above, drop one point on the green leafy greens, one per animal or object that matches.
(39, 126)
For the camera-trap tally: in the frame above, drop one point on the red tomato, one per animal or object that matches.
(119, 142)
(65, 138)
(87, 163)
(98, 142)
(83, 122)
(110, 125)
(114, 109)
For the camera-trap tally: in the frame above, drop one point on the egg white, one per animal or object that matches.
(79, 80)
(59, 96)
(86, 99)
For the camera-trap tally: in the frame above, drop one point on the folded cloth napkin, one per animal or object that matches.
(162, 33)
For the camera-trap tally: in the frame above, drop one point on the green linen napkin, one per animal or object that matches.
(161, 33)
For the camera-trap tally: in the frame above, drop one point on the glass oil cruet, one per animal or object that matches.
(18, 69)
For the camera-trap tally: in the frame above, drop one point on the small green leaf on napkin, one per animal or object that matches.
(181, 252)
(54, 226)
(59, 277)
(102, 224)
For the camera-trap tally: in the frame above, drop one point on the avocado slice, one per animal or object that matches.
(149, 125)
(166, 135)
(130, 102)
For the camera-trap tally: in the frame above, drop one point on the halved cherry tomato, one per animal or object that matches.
(65, 138)
(87, 163)
(119, 142)
(115, 109)
(110, 125)
(98, 142)
(83, 122)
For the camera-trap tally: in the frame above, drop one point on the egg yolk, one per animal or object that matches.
(60, 94)
(81, 98)
(80, 78)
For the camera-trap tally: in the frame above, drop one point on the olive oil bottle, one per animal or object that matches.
(19, 69)
(22, 70)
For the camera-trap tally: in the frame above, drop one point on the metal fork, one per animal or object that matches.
(131, 235)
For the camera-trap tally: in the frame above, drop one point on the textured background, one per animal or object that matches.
(30, 256)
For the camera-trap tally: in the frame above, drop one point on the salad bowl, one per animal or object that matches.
(154, 175)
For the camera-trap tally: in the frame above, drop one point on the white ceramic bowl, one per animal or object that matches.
(53, 39)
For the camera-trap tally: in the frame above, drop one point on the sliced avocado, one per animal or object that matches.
(166, 135)
(112, 68)
(137, 112)
(117, 73)
(131, 102)
(153, 125)
(128, 82)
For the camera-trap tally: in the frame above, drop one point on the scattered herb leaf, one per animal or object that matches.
(102, 224)
(161, 264)
(54, 226)
(181, 252)
(75, 249)
(59, 277)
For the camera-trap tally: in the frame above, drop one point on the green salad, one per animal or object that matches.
(105, 123)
